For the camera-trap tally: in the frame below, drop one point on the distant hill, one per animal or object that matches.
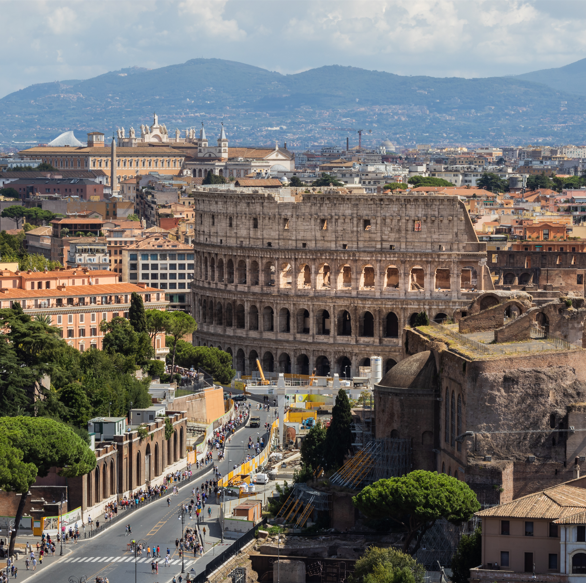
(252, 102)
(570, 79)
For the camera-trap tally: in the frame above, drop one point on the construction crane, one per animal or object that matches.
(358, 131)
(262, 374)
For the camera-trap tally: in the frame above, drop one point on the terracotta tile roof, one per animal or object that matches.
(454, 190)
(75, 221)
(64, 273)
(249, 152)
(13, 231)
(40, 231)
(75, 290)
(258, 182)
(160, 243)
(105, 151)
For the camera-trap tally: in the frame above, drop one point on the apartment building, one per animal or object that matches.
(88, 252)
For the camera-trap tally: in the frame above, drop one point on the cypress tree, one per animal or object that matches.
(137, 314)
(339, 436)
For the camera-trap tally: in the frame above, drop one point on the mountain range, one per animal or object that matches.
(316, 106)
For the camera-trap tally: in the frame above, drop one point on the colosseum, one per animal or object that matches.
(306, 279)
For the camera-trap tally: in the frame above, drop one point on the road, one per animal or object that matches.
(106, 556)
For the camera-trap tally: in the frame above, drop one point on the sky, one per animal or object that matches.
(56, 40)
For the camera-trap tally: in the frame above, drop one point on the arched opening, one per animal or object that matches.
(344, 323)
(205, 268)
(112, 478)
(391, 325)
(242, 272)
(525, 278)
(253, 318)
(252, 358)
(392, 277)
(304, 277)
(240, 319)
(417, 279)
(324, 277)
(269, 273)
(147, 463)
(219, 314)
(468, 278)
(344, 367)
(487, 302)
(284, 363)
(284, 320)
(268, 362)
(181, 442)
(139, 475)
(230, 271)
(509, 279)
(579, 564)
(105, 493)
(322, 366)
(302, 322)
(240, 366)
(459, 421)
(157, 466)
(322, 323)
(413, 319)
(98, 490)
(212, 269)
(255, 223)
(367, 277)
(442, 279)
(542, 322)
(345, 277)
(210, 316)
(254, 273)
(364, 362)
(440, 318)
(394, 434)
(175, 448)
(366, 325)
(169, 452)
(229, 321)
(221, 270)
(512, 312)
(286, 275)
(268, 319)
(389, 364)
(303, 364)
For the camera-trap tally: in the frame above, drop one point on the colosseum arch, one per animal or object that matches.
(252, 358)
(324, 275)
(322, 323)
(304, 277)
(221, 270)
(284, 363)
(442, 279)
(345, 277)
(488, 301)
(253, 318)
(284, 320)
(392, 277)
(509, 279)
(322, 366)
(468, 278)
(205, 268)
(240, 317)
(240, 361)
(229, 319)
(366, 325)
(344, 323)
(303, 364)
(269, 274)
(212, 269)
(268, 319)
(230, 271)
(303, 325)
(210, 316)
(417, 279)
(364, 361)
(241, 272)
(525, 278)
(389, 364)
(440, 318)
(391, 325)
(286, 275)
(105, 492)
(204, 311)
(254, 273)
(344, 366)
(367, 279)
(268, 362)
(219, 319)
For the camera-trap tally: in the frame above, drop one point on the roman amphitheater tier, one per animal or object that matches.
(324, 280)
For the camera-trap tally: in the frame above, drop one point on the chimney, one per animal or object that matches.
(285, 145)
(576, 468)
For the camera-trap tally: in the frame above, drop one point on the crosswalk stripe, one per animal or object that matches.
(109, 559)
(68, 560)
(95, 559)
(188, 563)
(131, 560)
(175, 562)
(83, 559)
(116, 559)
(143, 560)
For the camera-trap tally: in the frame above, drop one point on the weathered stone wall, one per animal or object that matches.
(203, 407)
(490, 318)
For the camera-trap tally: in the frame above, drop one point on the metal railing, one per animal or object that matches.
(461, 339)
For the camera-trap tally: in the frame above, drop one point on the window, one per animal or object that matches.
(81, 318)
(182, 276)
(552, 562)
(581, 534)
(70, 333)
(154, 266)
(529, 529)
(181, 257)
(505, 527)
(144, 257)
(93, 331)
(579, 564)
(366, 224)
(172, 276)
(580, 279)
(230, 222)
(504, 558)
(146, 266)
(553, 530)
(132, 256)
(153, 256)
(104, 316)
(59, 319)
(182, 266)
(181, 285)
(133, 266)
(323, 224)
(285, 223)
(189, 256)
(70, 319)
(529, 565)
(255, 223)
(81, 332)
(190, 266)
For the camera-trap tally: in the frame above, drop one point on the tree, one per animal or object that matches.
(78, 409)
(416, 501)
(16, 213)
(326, 180)
(44, 166)
(156, 322)
(136, 313)
(536, 181)
(213, 360)
(493, 182)
(121, 338)
(296, 181)
(428, 181)
(44, 444)
(178, 325)
(154, 368)
(9, 192)
(395, 186)
(421, 319)
(387, 565)
(212, 178)
(133, 217)
(313, 446)
(339, 436)
(467, 556)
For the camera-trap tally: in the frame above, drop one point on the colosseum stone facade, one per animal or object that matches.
(309, 280)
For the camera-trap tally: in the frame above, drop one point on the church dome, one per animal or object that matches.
(416, 372)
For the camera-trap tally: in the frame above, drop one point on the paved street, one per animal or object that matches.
(106, 555)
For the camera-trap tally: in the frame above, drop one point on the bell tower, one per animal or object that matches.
(223, 144)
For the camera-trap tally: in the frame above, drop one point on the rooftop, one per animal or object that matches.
(74, 290)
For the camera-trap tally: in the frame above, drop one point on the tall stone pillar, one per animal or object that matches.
(113, 179)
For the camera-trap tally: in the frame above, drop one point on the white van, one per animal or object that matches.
(261, 479)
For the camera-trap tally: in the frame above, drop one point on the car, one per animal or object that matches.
(239, 398)
(261, 479)
(255, 422)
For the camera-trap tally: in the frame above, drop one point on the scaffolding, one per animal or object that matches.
(380, 458)
(301, 504)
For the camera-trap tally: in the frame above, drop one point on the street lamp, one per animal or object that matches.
(60, 522)
(278, 559)
(137, 543)
(181, 517)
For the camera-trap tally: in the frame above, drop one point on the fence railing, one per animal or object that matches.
(461, 339)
